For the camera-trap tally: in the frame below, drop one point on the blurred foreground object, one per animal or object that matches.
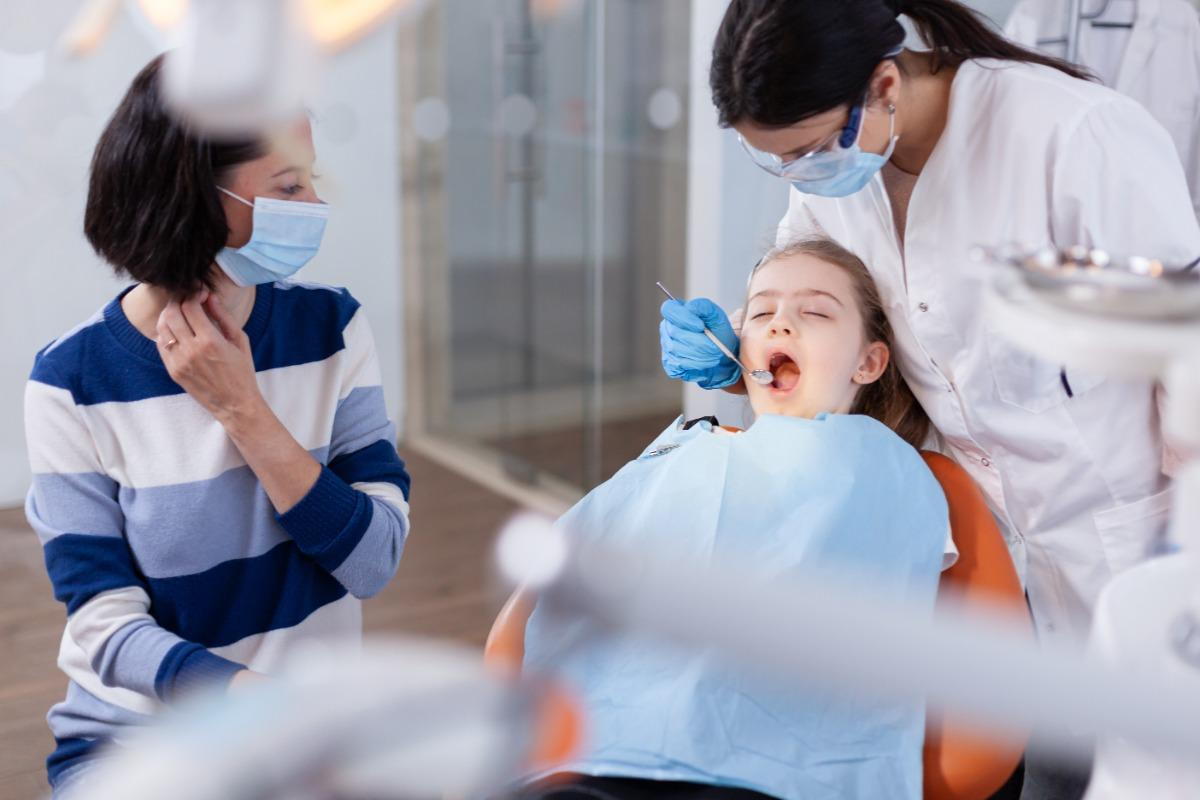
(403, 719)
(960, 760)
(239, 67)
(1132, 631)
(1134, 318)
(978, 667)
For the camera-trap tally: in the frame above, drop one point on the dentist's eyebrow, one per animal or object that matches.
(809, 292)
(285, 171)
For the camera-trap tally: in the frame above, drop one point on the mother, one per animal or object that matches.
(215, 478)
(909, 158)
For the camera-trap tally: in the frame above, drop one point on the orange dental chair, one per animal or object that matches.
(960, 762)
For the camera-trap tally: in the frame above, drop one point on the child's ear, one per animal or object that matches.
(872, 363)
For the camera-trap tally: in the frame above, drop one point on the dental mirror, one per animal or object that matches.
(760, 376)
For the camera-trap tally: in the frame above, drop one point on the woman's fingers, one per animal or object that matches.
(197, 319)
(218, 373)
(172, 315)
(217, 313)
(167, 337)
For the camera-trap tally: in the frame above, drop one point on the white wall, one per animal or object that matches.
(998, 10)
(356, 129)
(51, 113)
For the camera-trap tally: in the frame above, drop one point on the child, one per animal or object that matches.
(827, 478)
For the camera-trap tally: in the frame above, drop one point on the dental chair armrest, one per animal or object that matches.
(961, 761)
(505, 648)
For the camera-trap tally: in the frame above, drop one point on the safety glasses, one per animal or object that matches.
(821, 162)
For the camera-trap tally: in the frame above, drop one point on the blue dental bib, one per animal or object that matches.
(790, 496)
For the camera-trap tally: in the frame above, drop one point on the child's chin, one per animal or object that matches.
(784, 405)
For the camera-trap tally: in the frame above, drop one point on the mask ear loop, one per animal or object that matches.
(892, 137)
(234, 196)
(853, 130)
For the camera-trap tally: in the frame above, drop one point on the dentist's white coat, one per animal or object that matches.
(1156, 62)
(1029, 155)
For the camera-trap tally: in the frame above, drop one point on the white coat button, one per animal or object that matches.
(923, 306)
(985, 462)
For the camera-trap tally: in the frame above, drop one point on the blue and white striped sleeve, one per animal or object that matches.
(111, 639)
(354, 521)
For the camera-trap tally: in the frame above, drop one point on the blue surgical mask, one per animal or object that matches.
(286, 235)
(849, 168)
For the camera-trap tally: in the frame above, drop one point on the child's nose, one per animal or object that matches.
(780, 327)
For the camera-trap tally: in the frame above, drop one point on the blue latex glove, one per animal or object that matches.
(687, 354)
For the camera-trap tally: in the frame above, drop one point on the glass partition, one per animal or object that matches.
(544, 148)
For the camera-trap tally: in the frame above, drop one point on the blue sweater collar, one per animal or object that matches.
(132, 339)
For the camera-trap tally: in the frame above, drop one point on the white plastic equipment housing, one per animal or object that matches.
(1140, 612)
(241, 66)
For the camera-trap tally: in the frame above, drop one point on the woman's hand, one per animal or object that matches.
(209, 356)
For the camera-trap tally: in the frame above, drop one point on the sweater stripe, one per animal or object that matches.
(172, 563)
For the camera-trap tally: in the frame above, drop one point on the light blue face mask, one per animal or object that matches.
(846, 169)
(286, 235)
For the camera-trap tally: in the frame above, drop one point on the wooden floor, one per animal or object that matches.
(444, 588)
(561, 452)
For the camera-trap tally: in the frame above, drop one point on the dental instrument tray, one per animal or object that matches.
(1092, 281)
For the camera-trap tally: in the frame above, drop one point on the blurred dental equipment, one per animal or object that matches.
(1133, 318)
(405, 718)
(983, 668)
(240, 66)
(759, 376)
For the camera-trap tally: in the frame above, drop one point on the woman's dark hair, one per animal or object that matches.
(777, 62)
(888, 399)
(153, 211)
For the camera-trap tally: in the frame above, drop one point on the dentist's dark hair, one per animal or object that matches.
(888, 399)
(153, 211)
(777, 62)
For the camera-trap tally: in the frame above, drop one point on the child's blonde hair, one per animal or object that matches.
(888, 399)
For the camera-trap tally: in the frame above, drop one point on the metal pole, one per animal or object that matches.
(525, 49)
(593, 468)
(1074, 29)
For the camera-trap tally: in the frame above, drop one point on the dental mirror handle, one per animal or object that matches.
(761, 376)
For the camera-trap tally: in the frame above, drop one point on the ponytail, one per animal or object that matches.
(777, 62)
(956, 33)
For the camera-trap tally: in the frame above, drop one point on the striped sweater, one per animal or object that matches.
(174, 567)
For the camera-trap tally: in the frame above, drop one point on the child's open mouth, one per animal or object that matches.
(786, 372)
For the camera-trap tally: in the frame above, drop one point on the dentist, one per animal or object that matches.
(909, 159)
